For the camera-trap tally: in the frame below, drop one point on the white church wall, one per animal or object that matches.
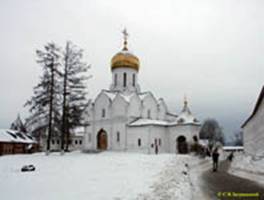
(188, 131)
(253, 133)
(158, 137)
(88, 138)
(162, 110)
(119, 107)
(147, 135)
(88, 113)
(134, 108)
(134, 134)
(149, 104)
(102, 102)
(119, 135)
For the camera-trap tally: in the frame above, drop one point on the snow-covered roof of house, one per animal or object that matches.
(260, 99)
(8, 135)
(4, 137)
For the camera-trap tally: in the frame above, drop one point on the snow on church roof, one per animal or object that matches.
(154, 122)
(110, 94)
(143, 95)
(127, 97)
(186, 117)
(144, 122)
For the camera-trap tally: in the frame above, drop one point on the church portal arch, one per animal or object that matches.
(102, 140)
(182, 145)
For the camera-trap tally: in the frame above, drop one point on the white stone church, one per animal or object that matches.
(124, 118)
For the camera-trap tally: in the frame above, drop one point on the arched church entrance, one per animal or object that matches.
(102, 140)
(182, 145)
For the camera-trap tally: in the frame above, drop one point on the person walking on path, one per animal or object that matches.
(215, 157)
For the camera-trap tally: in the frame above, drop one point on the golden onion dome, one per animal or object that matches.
(125, 58)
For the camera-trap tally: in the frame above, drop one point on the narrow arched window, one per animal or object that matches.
(115, 80)
(134, 80)
(125, 79)
(139, 142)
(117, 136)
(149, 113)
(156, 141)
(103, 113)
(90, 137)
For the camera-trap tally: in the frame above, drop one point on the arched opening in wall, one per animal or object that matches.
(102, 140)
(182, 145)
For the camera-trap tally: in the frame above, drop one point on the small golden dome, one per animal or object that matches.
(125, 58)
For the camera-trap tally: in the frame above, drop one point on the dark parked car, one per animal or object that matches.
(28, 168)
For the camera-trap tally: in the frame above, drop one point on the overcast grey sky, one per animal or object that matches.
(210, 50)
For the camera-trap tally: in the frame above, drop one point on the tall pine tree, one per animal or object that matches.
(46, 101)
(74, 91)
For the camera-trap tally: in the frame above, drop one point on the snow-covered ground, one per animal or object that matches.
(248, 167)
(108, 175)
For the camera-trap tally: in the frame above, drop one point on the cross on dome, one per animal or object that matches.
(185, 100)
(185, 106)
(124, 58)
(125, 35)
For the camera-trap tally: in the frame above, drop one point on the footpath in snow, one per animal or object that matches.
(180, 180)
